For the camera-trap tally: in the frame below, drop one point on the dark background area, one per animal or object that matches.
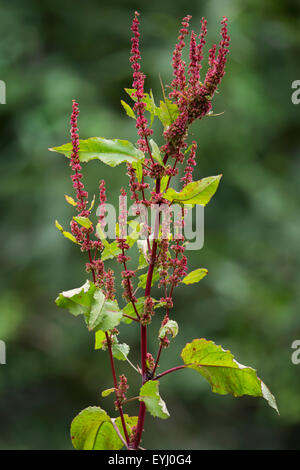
(52, 52)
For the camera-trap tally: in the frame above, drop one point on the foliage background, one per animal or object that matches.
(51, 52)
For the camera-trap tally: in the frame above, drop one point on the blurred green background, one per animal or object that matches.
(52, 52)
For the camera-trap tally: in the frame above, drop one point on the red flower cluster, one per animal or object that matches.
(138, 85)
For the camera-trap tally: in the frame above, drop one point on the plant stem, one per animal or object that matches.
(116, 386)
(157, 359)
(130, 399)
(168, 372)
(131, 318)
(142, 411)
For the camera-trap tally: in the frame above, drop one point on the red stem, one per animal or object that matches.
(169, 371)
(142, 411)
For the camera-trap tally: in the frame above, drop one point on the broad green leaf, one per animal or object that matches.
(92, 429)
(197, 192)
(143, 278)
(77, 301)
(90, 301)
(129, 111)
(156, 152)
(170, 328)
(223, 372)
(107, 392)
(104, 314)
(112, 152)
(129, 310)
(70, 200)
(86, 428)
(130, 421)
(120, 351)
(111, 251)
(149, 394)
(167, 112)
(195, 276)
(84, 221)
(99, 338)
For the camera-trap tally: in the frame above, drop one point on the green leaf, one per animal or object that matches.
(99, 338)
(129, 310)
(142, 262)
(70, 200)
(188, 149)
(150, 105)
(149, 394)
(90, 301)
(104, 314)
(65, 234)
(92, 203)
(195, 276)
(138, 170)
(170, 328)
(57, 225)
(78, 301)
(143, 278)
(129, 111)
(84, 221)
(167, 112)
(120, 351)
(156, 152)
(148, 99)
(86, 428)
(100, 234)
(135, 233)
(107, 392)
(112, 152)
(197, 192)
(163, 183)
(92, 429)
(111, 250)
(70, 237)
(130, 92)
(223, 372)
